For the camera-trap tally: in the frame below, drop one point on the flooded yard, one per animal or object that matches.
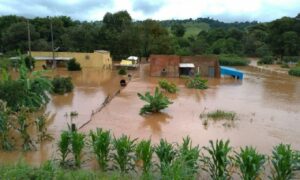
(267, 107)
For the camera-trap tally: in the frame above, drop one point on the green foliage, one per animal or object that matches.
(101, 146)
(5, 126)
(29, 62)
(62, 85)
(285, 65)
(217, 163)
(63, 147)
(284, 162)
(232, 60)
(288, 59)
(168, 86)
(29, 90)
(77, 145)
(266, 60)
(166, 153)
(41, 126)
(156, 102)
(73, 65)
(189, 155)
(23, 125)
(124, 153)
(144, 152)
(250, 163)
(178, 30)
(196, 83)
(295, 71)
(122, 71)
(219, 114)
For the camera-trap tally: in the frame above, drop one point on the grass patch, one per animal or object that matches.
(219, 114)
(232, 60)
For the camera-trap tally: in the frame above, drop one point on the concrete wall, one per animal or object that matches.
(97, 59)
(171, 64)
(203, 63)
(167, 63)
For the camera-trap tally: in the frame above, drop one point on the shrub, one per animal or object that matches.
(101, 146)
(168, 86)
(73, 65)
(250, 163)
(295, 71)
(284, 162)
(124, 153)
(122, 71)
(62, 85)
(266, 60)
(197, 83)
(284, 65)
(290, 59)
(144, 152)
(232, 60)
(217, 163)
(156, 102)
(5, 126)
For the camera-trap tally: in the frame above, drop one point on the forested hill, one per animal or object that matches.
(212, 23)
(122, 36)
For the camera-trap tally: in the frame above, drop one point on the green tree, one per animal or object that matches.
(178, 30)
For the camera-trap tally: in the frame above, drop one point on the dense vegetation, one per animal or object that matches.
(295, 71)
(122, 36)
(232, 60)
(127, 158)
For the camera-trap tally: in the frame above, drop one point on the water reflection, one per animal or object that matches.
(155, 122)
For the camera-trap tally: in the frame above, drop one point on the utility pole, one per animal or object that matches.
(29, 38)
(52, 44)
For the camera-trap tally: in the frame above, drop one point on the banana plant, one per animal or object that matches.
(155, 103)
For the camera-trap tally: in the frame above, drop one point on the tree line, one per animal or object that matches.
(122, 36)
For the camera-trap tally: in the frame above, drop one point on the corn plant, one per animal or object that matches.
(284, 162)
(41, 123)
(156, 102)
(250, 163)
(144, 152)
(22, 120)
(168, 86)
(63, 146)
(177, 170)
(124, 153)
(189, 155)
(166, 154)
(77, 145)
(101, 146)
(217, 163)
(5, 127)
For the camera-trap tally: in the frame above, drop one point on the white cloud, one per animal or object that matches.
(225, 10)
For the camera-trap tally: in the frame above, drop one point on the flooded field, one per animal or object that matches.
(267, 106)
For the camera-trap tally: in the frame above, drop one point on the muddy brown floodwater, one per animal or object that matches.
(267, 106)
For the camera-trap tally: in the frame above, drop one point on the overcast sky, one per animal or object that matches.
(224, 10)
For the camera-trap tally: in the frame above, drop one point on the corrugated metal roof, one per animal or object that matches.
(186, 65)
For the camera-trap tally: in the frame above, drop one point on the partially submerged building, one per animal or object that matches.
(98, 59)
(175, 66)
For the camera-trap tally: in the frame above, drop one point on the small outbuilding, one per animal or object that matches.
(175, 66)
